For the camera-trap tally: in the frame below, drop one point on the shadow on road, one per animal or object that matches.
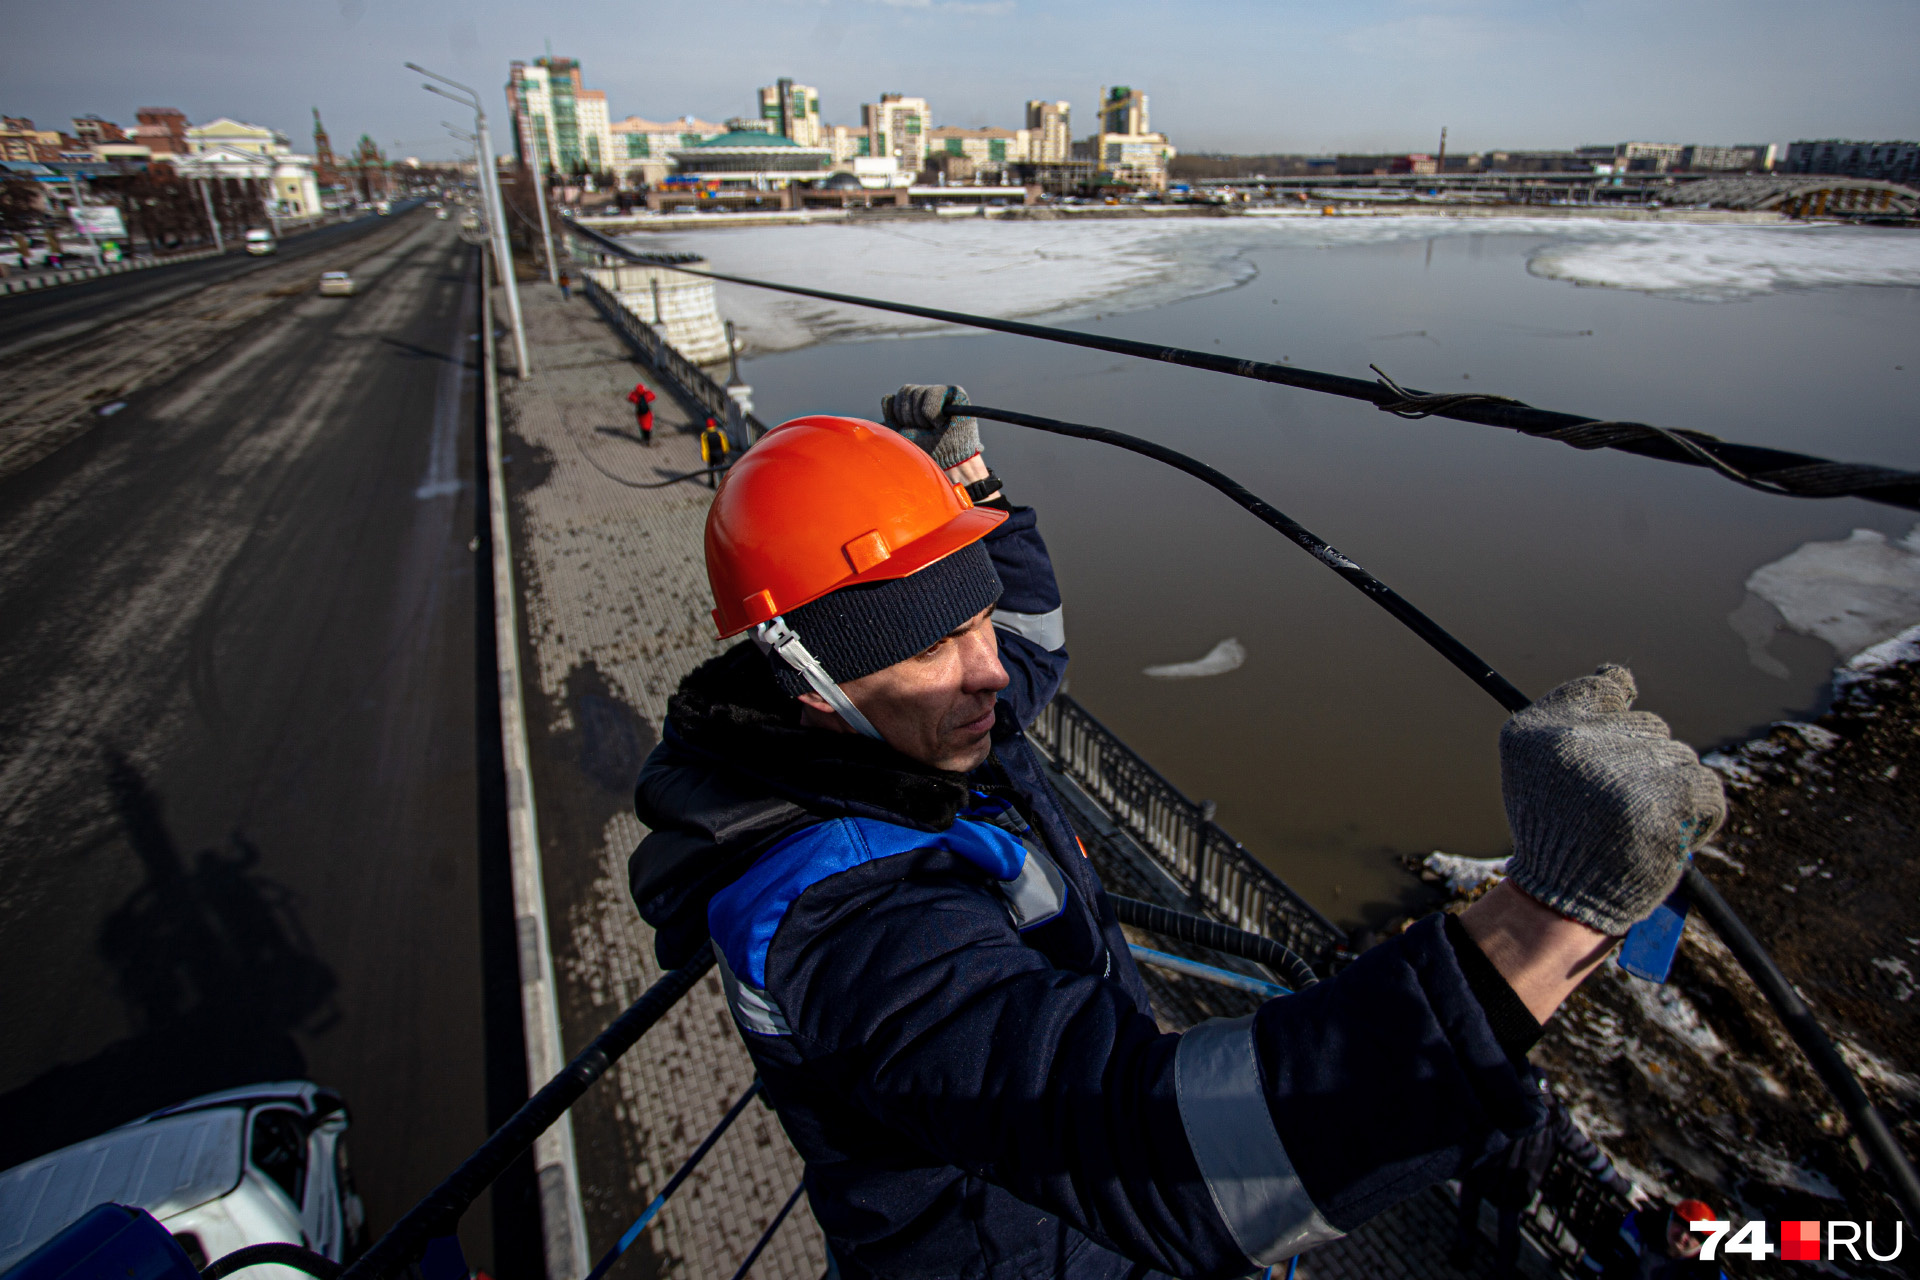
(216, 973)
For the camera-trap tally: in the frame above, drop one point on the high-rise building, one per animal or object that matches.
(897, 126)
(793, 111)
(1126, 150)
(558, 122)
(1123, 110)
(1050, 126)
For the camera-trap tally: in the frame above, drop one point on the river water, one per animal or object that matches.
(1342, 743)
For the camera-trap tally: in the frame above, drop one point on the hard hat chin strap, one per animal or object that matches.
(782, 639)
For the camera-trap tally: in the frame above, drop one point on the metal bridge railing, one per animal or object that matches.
(1212, 868)
(662, 357)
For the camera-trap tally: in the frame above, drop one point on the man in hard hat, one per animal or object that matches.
(926, 971)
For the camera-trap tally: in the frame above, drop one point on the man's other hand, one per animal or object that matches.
(1604, 805)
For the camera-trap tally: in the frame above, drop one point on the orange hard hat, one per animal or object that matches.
(1693, 1211)
(821, 503)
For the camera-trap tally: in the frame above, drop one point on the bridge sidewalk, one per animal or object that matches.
(614, 612)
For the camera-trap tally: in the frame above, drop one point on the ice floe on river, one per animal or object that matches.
(1074, 270)
(1853, 594)
(1226, 656)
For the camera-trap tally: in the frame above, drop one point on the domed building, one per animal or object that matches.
(742, 158)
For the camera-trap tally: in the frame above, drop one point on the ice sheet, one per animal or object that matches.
(1853, 594)
(1067, 270)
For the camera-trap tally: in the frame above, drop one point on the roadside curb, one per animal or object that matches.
(76, 274)
(563, 1220)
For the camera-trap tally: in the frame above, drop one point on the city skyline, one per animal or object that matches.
(1383, 75)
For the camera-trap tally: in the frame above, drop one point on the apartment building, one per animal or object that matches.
(793, 111)
(558, 122)
(1050, 128)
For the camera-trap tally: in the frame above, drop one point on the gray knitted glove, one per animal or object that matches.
(1605, 806)
(921, 414)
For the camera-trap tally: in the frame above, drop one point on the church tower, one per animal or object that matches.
(325, 171)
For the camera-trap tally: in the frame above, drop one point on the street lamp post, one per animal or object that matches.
(540, 198)
(490, 191)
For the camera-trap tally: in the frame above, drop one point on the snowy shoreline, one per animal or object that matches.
(1066, 271)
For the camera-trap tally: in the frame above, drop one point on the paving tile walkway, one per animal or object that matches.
(614, 612)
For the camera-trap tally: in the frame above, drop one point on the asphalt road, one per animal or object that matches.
(29, 320)
(246, 742)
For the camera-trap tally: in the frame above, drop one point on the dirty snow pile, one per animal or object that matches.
(1463, 875)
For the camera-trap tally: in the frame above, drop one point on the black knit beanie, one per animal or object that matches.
(857, 630)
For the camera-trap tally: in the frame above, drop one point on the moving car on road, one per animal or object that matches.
(337, 284)
(257, 1165)
(260, 241)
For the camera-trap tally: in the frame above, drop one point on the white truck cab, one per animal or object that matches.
(256, 1165)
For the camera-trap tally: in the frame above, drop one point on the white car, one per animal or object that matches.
(260, 241)
(256, 1165)
(336, 284)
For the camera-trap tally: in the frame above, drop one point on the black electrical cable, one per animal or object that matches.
(437, 1214)
(1817, 1046)
(1772, 470)
(296, 1256)
(1200, 931)
(1470, 663)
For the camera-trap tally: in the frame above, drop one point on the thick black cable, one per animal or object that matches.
(1471, 664)
(299, 1257)
(1773, 470)
(440, 1211)
(1200, 931)
(1806, 1030)
(1820, 1051)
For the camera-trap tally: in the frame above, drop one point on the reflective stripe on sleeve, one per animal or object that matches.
(752, 1008)
(1247, 1171)
(1048, 630)
(1039, 892)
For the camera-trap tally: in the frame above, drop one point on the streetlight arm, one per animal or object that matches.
(435, 75)
(472, 106)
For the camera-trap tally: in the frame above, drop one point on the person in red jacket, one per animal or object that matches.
(642, 401)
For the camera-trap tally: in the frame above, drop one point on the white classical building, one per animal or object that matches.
(226, 148)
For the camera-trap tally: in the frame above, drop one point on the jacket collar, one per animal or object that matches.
(729, 713)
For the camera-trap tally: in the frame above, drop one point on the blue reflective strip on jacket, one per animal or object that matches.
(745, 915)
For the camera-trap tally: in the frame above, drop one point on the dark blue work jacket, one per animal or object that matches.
(945, 1014)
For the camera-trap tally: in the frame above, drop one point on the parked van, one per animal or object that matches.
(260, 241)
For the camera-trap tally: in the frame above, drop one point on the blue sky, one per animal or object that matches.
(1230, 75)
